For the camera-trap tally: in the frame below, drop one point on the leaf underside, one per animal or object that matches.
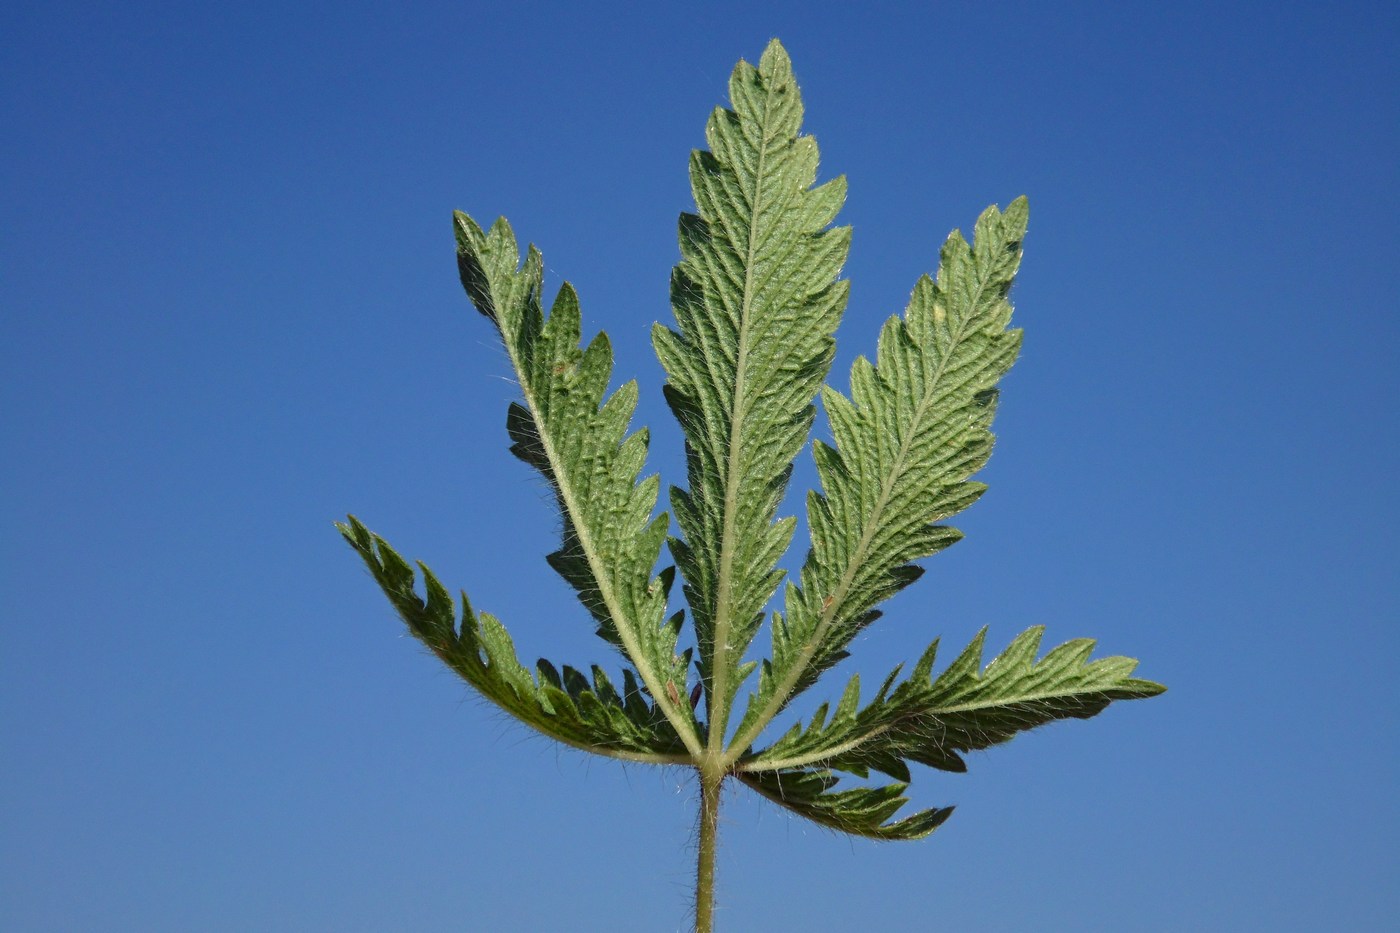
(916, 426)
(933, 721)
(756, 299)
(578, 441)
(565, 706)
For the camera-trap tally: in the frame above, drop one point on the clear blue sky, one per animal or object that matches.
(231, 315)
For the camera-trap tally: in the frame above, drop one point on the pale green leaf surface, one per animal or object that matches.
(579, 443)
(915, 428)
(933, 721)
(756, 300)
(567, 707)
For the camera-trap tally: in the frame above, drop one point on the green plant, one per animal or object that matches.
(757, 299)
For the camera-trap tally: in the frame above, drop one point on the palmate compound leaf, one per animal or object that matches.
(566, 707)
(756, 300)
(933, 721)
(916, 427)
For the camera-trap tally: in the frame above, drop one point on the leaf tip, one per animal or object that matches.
(1146, 688)
(774, 57)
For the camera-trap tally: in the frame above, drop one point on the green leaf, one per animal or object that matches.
(756, 300)
(579, 443)
(757, 297)
(934, 721)
(860, 811)
(915, 428)
(593, 717)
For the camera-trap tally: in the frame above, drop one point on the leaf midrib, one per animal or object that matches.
(825, 754)
(602, 579)
(720, 663)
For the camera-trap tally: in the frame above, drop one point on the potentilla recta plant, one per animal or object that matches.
(757, 299)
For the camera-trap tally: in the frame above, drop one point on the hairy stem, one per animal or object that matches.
(705, 861)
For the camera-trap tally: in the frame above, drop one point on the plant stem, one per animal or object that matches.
(705, 861)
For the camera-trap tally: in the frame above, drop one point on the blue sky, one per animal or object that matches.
(231, 315)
